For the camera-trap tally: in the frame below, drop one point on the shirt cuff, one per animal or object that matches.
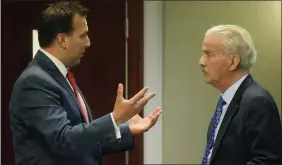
(118, 135)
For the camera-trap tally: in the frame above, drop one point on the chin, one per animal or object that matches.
(207, 80)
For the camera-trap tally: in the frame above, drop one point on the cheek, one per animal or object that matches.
(74, 48)
(73, 43)
(218, 68)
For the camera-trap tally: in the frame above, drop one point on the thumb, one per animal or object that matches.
(120, 92)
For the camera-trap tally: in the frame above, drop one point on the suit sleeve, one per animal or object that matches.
(263, 132)
(126, 142)
(40, 110)
(117, 129)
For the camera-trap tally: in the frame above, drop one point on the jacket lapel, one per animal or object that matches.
(233, 107)
(51, 68)
(231, 110)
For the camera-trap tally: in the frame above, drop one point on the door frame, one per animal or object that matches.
(135, 9)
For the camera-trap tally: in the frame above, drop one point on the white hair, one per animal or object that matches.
(237, 40)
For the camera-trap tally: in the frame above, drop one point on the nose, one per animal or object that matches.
(202, 61)
(88, 43)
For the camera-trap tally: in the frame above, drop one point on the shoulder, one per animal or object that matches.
(258, 99)
(256, 92)
(33, 76)
(33, 86)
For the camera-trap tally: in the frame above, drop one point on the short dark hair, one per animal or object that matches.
(58, 18)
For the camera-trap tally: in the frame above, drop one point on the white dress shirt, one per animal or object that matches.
(62, 68)
(227, 96)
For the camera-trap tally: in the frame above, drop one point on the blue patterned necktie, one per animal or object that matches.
(215, 122)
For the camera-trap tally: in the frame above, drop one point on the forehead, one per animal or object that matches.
(212, 42)
(79, 23)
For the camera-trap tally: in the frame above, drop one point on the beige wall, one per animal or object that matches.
(188, 101)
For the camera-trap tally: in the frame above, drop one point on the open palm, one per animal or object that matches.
(138, 125)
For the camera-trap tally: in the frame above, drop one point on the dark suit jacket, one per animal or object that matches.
(250, 132)
(47, 123)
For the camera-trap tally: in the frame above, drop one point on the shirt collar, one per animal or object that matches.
(227, 96)
(62, 68)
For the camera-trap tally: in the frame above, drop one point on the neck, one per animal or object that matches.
(56, 53)
(229, 81)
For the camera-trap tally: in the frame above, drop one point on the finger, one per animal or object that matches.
(155, 111)
(139, 95)
(142, 102)
(120, 92)
(155, 115)
(155, 119)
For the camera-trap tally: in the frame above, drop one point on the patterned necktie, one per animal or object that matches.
(215, 122)
(74, 86)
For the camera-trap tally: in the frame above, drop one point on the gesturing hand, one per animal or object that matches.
(139, 125)
(126, 109)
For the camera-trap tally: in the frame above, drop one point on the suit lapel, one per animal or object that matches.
(51, 68)
(231, 110)
(233, 107)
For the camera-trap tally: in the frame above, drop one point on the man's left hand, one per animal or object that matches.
(139, 125)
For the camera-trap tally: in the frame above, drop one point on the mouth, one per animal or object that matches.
(204, 72)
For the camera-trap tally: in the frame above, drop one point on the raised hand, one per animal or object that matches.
(126, 109)
(139, 125)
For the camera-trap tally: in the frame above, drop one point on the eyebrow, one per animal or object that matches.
(208, 48)
(207, 51)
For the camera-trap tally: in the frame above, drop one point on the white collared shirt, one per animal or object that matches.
(62, 68)
(227, 96)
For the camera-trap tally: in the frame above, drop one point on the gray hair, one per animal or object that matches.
(237, 40)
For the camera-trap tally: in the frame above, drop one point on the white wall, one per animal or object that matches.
(35, 42)
(153, 61)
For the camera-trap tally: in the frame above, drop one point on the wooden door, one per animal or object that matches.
(100, 70)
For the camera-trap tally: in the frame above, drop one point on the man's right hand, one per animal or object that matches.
(126, 109)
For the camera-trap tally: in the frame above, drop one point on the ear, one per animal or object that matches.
(234, 62)
(61, 39)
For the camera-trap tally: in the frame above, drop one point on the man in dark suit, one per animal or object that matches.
(50, 119)
(246, 127)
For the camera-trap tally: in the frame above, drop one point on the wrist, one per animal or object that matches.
(134, 130)
(116, 118)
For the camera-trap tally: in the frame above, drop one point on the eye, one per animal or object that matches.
(208, 53)
(82, 36)
(85, 34)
